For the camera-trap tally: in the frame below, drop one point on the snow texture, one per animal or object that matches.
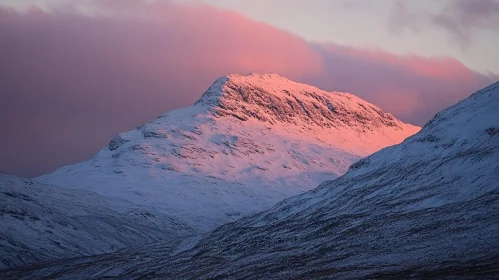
(427, 208)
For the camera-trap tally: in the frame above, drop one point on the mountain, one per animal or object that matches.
(246, 144)
(427, 208)
(44, 222)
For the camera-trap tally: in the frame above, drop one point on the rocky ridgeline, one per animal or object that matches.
(268, 98)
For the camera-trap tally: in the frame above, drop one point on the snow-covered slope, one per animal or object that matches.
(427, 208)
(248, 142)
(41, 222)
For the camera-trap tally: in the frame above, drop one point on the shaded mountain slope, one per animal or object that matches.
(42, 222)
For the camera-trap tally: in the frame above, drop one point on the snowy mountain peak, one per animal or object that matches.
(249, 142)
(273, 99)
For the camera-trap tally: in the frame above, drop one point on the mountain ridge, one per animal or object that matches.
(271, 93)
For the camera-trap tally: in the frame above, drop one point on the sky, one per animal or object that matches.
(75, 73)
(402, 27)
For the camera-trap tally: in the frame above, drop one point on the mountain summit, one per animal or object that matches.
(276, 100)
(246, 144)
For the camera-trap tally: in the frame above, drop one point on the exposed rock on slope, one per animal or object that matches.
(277, 100)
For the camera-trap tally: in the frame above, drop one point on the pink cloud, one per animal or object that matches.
(423, 85)
(441, 67)
(70, 81)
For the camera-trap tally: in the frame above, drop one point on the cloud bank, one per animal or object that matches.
(462, 17)
(71, 80)
(459, 18)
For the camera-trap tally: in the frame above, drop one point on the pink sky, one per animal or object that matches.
(71, 81)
